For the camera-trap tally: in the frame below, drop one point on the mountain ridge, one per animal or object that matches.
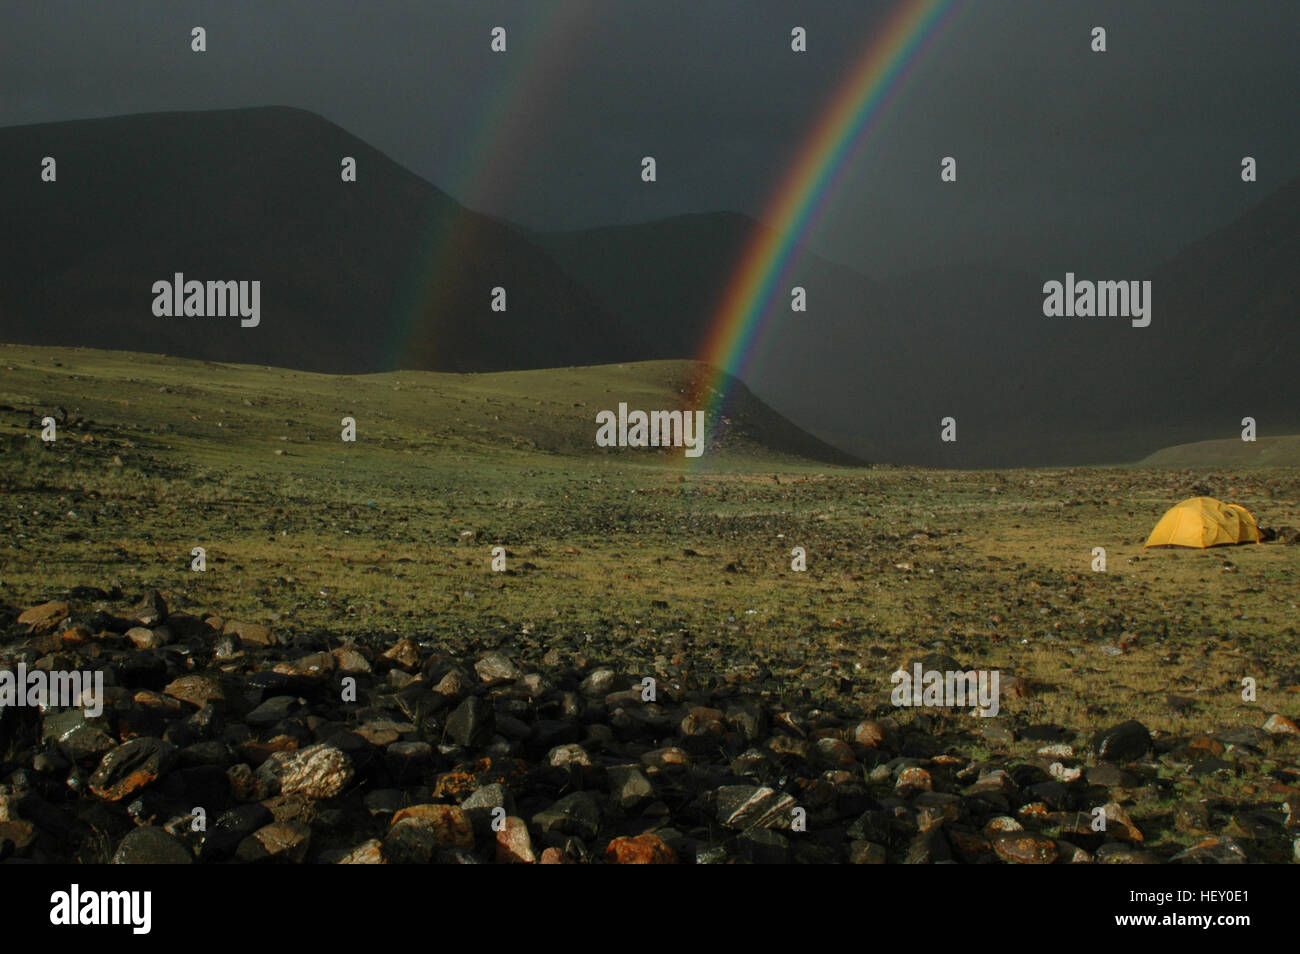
(390, 272)
(256, 194)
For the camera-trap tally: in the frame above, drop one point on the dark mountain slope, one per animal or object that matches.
(385, 271)
(873, 366)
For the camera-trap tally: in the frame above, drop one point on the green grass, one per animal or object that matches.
(1264, 452)
(631, 553)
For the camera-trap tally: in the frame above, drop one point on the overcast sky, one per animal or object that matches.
(1064, 156)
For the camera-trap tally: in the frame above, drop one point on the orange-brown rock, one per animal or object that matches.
(647, 849)
(1026, 848)
(131, 766)
(252, 634)
(196, 690)
(465, 778)
(44, 618)
(450, 824)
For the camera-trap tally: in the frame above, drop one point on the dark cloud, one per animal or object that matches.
(1065, 156)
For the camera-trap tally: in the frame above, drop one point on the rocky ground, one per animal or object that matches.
(297, 747)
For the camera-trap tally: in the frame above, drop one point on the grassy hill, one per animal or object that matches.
(201, 408)
(1264, 452)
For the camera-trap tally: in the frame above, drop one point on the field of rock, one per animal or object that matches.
(223, 741)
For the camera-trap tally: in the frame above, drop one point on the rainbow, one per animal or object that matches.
(853, 112)
(493, 157)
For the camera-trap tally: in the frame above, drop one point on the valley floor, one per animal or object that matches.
(646, 567)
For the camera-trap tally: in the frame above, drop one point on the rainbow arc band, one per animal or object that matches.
(848, 120)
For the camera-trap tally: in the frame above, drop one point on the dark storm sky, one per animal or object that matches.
(1066, 158)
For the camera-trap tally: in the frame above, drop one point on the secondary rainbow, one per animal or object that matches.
(843, 126)
(494, 156)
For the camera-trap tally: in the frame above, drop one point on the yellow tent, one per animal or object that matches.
(1204, 522)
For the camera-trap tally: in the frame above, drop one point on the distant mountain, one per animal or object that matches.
(358, 276)
(874, 366)
(663, 277)
(390, 272)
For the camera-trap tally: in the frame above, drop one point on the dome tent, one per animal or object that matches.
(1204, 522)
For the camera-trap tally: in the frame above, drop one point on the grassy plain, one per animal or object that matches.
(628, 555)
